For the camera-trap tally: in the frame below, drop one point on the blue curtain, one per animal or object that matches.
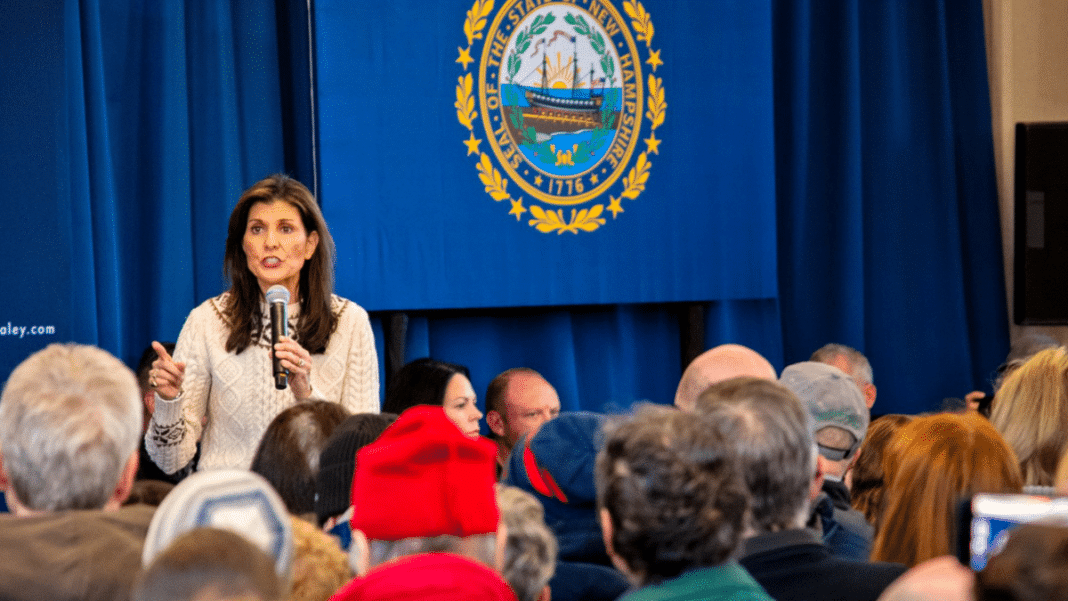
(132, 126)
(138, 123)
(888, 227)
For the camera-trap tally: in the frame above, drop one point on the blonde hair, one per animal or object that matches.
(320, 567)
(1031, 412)
(929, 465)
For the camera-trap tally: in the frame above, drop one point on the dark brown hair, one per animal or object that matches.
(866, 491)
(317, 321)
(770, 432)
(209, 563)
(1032, 566)
(288, 453)
(673, 491)
(420, 382)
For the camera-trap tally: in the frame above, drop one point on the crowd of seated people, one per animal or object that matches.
(752, 484)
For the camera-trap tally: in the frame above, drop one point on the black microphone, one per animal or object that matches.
(277, 299)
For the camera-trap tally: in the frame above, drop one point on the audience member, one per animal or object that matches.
(839, 422)
(720, 363)
(423, 506)
(518, 402)
(673, 507)
(236, 500)
(768, 428)
(430, 382)
(320, 567)
(853, 363)
(1023, 348)
(866, 478)
(1031, 566)
(931, 463)
(337, 462)
(288, 453)
(70, 418)
(1031, 412)
(210, 564)
(530, 548)
(555, 465)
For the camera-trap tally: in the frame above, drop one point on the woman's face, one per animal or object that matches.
(277, 245)
(460, 408)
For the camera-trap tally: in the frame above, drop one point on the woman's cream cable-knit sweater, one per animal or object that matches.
(228, 399)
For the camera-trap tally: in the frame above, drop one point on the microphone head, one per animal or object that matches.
(277, 294)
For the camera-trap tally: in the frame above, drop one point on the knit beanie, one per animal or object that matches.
(237, 500)
(337, 461)
(428, 577)
(423, 477)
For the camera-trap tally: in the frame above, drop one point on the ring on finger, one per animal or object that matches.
(300, 363)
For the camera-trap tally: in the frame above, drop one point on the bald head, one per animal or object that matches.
(716, 365)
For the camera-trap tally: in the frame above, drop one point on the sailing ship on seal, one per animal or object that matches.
(552, 110)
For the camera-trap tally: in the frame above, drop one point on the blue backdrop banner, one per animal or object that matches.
(518, 153)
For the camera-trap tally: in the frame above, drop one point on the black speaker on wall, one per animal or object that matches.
(1040, 291)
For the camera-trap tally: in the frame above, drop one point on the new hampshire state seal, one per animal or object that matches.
(565, 98)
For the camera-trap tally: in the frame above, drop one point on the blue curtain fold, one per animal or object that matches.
(171, 109)
(132, 127)
(603, 358)
(886, 196)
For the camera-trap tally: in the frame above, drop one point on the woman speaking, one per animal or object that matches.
(219, 389)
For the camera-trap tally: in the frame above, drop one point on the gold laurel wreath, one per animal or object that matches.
(586, 220)
(640, 20)
(657, 104)
(476, 20)
(634, 182)
(465, 102)
(491, 179)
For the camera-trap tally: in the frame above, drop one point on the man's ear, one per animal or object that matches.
(606, 533)
(869, 394)
(359, 553)
(126, 481)
(5, 483)
(817, 479)
(546, 594)
(495, 421)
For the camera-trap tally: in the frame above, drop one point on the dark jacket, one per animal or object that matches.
(794, 565)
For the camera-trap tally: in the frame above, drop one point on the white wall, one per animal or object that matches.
(1027, 59)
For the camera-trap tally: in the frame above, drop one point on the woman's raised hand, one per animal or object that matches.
(166, 375)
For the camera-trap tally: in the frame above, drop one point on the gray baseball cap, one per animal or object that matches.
(832, 399)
